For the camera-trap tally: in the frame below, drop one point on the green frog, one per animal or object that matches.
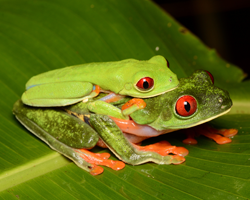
(131, 77)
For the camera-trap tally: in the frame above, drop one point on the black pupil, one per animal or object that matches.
(187, 106)
(145, 84)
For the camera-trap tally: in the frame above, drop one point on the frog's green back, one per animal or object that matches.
(119, 77)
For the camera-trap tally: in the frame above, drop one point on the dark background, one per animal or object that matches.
(220, 24)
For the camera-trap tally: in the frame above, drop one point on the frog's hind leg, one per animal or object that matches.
(65, 134)
(113, 137)
(59, 94)
(163, 147)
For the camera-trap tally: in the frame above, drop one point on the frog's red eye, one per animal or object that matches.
(186, 106)
(145, 83)
(211, 76)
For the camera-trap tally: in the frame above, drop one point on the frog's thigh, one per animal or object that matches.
(122, 148)
(56, 94)
(56, 127)
(37, 122)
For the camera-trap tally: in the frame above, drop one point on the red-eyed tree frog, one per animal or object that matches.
(73, 129)
(66, 86)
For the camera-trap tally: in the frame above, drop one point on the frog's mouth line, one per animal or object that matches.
(167, 90)
(203, 121)
(158, 93)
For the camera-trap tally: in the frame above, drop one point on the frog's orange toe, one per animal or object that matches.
(96, 170)
(228, 132)
(223, 140)
(190, 141)
(118, 165)
(181, 151)
(176, 159)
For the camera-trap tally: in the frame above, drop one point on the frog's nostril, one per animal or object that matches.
(223, 106)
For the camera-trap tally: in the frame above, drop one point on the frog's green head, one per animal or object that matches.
(148, 78)
(194, 102)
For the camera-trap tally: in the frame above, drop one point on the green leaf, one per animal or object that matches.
(37, 36)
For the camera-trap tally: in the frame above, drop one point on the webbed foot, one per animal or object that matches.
(99, 159)
(164, 148)
(220, 136)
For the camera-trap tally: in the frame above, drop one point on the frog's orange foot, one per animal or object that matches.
(191, 134)
(224, 132)
(133, 105)
(99, 159)
(164, 148)
(220, 136)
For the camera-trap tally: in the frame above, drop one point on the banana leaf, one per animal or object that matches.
(41, 35)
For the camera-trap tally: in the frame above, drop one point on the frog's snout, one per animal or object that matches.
(225, 102)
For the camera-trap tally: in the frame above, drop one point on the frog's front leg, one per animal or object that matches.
(136, 133)
(129, 107)
(163, 147)
(220, 136)
(66, 134)
(113, 137)
(102, 106)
